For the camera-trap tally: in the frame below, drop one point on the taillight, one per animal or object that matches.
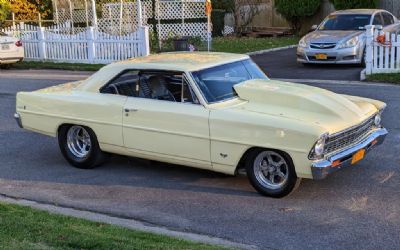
(18, 43)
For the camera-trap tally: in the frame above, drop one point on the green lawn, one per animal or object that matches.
(27, 228)
(248, 44)
(220, 44)
(63, 66)
(390, 78)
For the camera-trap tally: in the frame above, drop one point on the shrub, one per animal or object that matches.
(4, 10)
(227, 5)
(355, 4)
(295, 10)
(217, 19)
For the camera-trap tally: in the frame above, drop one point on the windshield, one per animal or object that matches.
(345, 22)
(217, 83)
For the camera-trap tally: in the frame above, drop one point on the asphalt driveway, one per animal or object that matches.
(356, 208)
(282, 64)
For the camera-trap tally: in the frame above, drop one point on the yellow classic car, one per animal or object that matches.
(214, 111)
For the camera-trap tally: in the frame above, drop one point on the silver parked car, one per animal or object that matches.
(340, 38)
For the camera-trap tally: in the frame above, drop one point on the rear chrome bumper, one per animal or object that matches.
(18, 119)
(322, 168)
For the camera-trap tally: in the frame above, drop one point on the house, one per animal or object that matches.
(267, 16)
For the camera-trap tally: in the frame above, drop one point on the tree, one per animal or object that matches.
(44, 7)
(24, 10)
(296, 10)
(4, 10)
(355, 4)
(244, 10)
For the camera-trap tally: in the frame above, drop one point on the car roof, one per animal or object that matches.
(357, 11)
(175, 61)
(181, 61)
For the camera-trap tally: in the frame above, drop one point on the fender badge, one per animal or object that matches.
(223, 155)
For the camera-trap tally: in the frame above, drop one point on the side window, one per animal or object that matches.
(387, 18)
(167, 86)
(378, 19)
(125, 84)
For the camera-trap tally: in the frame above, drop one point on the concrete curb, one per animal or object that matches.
(123, 222)
(270, 50)
(46, 74)
(313, 81)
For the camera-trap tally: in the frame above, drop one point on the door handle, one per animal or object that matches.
(130, 110)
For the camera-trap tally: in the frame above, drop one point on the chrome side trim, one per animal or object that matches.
(18, 119)
(322, 168)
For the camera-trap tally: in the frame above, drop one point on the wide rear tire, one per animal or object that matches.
(80, 147)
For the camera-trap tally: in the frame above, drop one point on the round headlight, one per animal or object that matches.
(319, 147)
(378, 120)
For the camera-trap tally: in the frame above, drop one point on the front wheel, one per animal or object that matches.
(271, 173)
(80, 147)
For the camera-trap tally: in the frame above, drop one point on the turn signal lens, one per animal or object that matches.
(18, 43)
(336, 163)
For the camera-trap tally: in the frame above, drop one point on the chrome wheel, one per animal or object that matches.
(78, 141)
(271, 170)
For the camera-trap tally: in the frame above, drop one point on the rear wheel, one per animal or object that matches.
(80, 147)
(271, 173)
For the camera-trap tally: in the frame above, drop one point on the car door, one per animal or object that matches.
(163, 122)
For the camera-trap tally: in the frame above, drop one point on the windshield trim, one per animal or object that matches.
(370, 17)
(205, 99)
(235, 97)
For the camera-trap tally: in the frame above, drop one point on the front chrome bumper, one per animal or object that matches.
(18, 119)
(322, 168)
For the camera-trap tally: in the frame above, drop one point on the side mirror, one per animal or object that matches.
(314, 27)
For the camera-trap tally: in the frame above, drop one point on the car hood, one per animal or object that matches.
(333, 112)
(331, 36)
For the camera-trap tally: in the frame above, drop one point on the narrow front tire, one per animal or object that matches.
(271, 173)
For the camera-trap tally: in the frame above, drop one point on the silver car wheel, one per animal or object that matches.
(78, 141)
(271, 170)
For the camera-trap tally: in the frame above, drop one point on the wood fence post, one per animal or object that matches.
(91, 45)
(369, 49)
(42, 43)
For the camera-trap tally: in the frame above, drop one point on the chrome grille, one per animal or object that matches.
(349, 136)
(323, 45)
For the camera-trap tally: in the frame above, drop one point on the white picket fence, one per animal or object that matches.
(382, 52)
(86, 46)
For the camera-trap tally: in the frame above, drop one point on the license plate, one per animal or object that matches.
(321, 56)
(5, 47)
(358, 156)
